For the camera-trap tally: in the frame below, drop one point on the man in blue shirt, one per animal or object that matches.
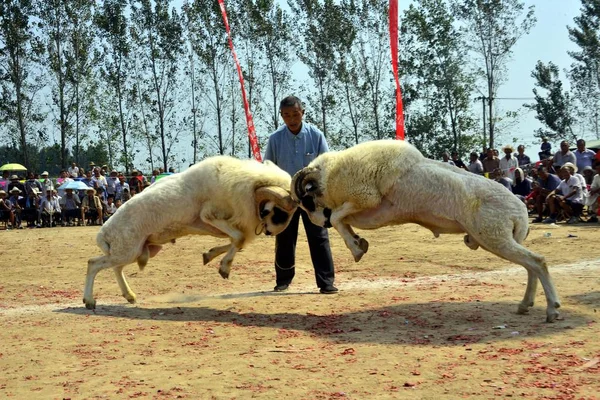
(292, 147)
(545, 185)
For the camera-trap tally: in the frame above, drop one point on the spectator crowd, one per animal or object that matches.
(76, 197)
(561, 186)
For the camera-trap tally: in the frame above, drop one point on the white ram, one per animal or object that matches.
(383, 183)
(220, 196)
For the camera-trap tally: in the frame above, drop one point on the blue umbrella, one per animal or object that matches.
(75, 185)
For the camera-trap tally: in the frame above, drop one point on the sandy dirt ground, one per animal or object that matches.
(416, 318)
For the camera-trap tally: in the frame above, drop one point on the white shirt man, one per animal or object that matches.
(509, 163)
(73, 170)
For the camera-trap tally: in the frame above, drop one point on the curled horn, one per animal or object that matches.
(301, 179)
(280, 196)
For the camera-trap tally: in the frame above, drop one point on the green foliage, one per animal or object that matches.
(553, 109)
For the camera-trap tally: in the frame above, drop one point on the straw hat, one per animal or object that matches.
(91, 189)
(15, 190)
(2, 193)
(45, 173)
(14, 178)
(508, 146)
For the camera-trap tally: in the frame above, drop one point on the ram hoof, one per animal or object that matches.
(224, 274)
(90, 304)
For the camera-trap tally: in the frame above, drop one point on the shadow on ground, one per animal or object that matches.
(434, 323)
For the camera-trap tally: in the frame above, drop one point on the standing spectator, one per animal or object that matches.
(563, 156)
(14, 183)
(73, 170)
(546, 149)
(91, 208)
(32, 183)
(46, 182)
(49, 209)
(508, 163)
(70, 204)
(491, 162)
(585, 157)
(120, 186)
(111, 184)
(545, 185)
(522, 158)
(154, 175)
(63, 179)
(594, 196)
(98, 180)
(457, 161)
(135, 183)
(475, 166)
(4, 181)
(292, 147)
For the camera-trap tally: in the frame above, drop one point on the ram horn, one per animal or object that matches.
(301, 179)
(280, 196)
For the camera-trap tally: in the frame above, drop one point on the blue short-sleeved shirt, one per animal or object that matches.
(551, 183)
(294, 152)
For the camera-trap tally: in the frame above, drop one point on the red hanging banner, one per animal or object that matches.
(249, 120)
(394, 47)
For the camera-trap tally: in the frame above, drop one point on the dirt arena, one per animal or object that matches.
(417, 318)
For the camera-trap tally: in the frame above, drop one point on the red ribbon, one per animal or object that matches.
(394, 47)
(249, 120)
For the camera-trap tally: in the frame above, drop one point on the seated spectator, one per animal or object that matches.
(63, 179)
(91, 208)
(50, 211)
(446, 158)
(6, 214)
(594, 196)
(564, 155)
(154, 175)
(585, 157)
(498, 176)
(521, 186)
(70, 204)
(30, 211)
(118, 203)
(17, 203)
(508, 163)
(475, 166)
(545, 185)
(521, 157)
(588, 175)
(491, 162)
(126, 195)
(567, 197)
(111, 208)
(546, 149)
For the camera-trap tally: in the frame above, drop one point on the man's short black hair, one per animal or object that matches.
(291, 101)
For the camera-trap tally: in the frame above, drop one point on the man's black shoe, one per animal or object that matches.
(281, 288)
(330, 289)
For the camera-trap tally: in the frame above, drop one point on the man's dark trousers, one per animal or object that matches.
(320, 253)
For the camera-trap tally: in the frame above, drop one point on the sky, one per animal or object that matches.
(547, 41)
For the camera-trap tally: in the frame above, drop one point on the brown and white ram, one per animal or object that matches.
(387, 182)
(220, 196)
